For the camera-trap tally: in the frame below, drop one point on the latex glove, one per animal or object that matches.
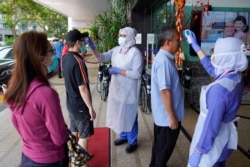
(90, 43)
(194, 159)
(115, 70)
(191, 39)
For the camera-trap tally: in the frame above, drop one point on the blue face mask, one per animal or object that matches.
(54, 64)
(83, 49)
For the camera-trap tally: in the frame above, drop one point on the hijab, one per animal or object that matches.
(229, 54)
(130, 36)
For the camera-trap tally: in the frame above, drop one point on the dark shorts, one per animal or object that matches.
(85, 128)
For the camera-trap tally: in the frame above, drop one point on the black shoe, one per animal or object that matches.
(131, 148)
(118, 142)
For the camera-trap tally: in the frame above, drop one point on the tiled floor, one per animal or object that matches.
(10, 144)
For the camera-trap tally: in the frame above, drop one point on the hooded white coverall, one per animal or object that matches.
(124, 90)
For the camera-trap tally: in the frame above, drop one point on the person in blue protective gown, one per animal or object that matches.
(215, 135)
(123, 97)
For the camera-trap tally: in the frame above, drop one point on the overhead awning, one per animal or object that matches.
(79, 10)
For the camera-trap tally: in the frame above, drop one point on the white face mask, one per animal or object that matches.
(121, 41)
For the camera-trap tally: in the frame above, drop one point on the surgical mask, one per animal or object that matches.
(83, 49)
(121, 41)
(53, 64)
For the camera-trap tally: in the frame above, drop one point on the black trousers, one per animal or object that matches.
(59, 71)
(163, 145)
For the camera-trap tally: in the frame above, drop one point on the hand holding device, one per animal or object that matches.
(191, 39)
(90, 43)
(187, 34)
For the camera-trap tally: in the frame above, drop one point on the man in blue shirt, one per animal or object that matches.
(58, 48)
(167, 97)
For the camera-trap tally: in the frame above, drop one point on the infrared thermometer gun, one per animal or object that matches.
(187, 34)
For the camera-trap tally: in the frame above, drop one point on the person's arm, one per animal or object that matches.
(166, 97)
(164, 77)
(136, 67)
(216, 109)
(84, 91)
(191, 39)
(201, 54)
(216, 104)
(205, 61)
(81, 79)
(92, 47)
(102, 57)
(96, 53)
(53, 116)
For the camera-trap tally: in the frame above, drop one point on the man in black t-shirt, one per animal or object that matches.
(79, 102)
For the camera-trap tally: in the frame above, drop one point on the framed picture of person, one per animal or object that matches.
(221, 24)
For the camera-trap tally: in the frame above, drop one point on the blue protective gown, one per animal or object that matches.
(215, 133)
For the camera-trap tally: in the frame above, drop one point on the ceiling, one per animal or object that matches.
(80, 10)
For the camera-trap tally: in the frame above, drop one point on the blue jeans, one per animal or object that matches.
(27, 162)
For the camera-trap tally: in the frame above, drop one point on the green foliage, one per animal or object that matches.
(54, 23)
(9, 41)
(26, 12)
(105, 27)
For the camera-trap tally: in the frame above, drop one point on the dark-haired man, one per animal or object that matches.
(79, 102)
(167, 97)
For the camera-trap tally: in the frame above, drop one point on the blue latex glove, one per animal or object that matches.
(194, 159)
(90, 43)
(191, 39)
(115, 70)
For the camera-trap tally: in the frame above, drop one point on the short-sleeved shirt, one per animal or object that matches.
(164, 75)
(75, 74)
(58, 48)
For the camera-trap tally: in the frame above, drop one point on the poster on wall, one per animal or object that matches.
(220, 24)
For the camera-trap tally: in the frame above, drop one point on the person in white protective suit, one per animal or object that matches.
(126, 70)
(215, 136)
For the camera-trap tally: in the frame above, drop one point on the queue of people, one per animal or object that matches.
(36, 107)
(215, 134)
